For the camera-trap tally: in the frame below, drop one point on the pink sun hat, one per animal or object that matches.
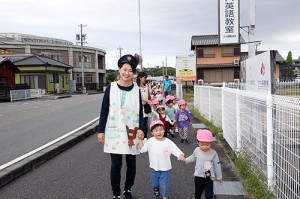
(181, 102)
(204, 135)
(156, 122)
(155, 101)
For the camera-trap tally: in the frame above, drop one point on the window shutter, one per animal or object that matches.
(236, 51)
(200, 53)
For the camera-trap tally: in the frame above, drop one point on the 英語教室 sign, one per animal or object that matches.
(229, 23)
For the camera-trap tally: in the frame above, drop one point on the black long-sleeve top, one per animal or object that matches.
(105, 108)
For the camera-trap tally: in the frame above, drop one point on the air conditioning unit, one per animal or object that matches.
(236, 61)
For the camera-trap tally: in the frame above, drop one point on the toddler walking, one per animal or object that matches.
(170, 111)
(160, 149)
(183, 120)
(207, 167)
(162, 116)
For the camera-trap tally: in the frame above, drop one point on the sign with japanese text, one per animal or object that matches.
(229, 22)
(260, 72)
(186, 68)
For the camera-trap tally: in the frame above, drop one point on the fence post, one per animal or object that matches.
(11, 97)
(209, 103)
(270, 167)
(223, 108)
(238, 123)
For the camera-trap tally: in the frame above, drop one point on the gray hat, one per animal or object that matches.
(128, 59)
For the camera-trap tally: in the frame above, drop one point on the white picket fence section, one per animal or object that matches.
(25, 94)
(266, 127)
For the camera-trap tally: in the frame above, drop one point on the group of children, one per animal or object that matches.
(175, 116)
(165, 121)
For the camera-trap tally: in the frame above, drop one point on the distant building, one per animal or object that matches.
(221, 63)
(37, 71)
(63, 51)
(7, 72)
(215, 63)
(296, 66)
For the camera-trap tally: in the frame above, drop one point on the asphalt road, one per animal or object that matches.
(83, 172)
(27, 125)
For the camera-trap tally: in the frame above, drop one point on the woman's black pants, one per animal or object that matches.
(115, 172)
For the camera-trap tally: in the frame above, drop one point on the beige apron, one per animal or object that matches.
(123, 121)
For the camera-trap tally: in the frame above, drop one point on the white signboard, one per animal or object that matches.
(229, 22)
(259, 72)
(186, 67)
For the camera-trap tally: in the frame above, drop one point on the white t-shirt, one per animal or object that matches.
(160, 152)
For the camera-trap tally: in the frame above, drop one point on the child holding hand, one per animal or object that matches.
(207, 167)
(160, 149)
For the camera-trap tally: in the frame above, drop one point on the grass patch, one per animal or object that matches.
(216, 131)
(252, 178)
(188, 95)
(287, 92)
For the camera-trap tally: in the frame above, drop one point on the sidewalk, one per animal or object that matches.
(232, 187)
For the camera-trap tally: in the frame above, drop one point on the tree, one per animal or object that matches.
(112, 76)
(289, 58)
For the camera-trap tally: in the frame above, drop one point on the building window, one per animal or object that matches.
(53, 78)
(206, 53)
(88, 78)
(78, 78)
(56, 56)
(230, 51)
(67, 79)
(2, 80)
(30, 80)
(87, 60)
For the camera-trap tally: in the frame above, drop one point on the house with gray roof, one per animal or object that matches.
(221, 63)
(215, 63)
(63, 51)
(41, 72)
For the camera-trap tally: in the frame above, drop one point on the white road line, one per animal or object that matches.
(46, 145)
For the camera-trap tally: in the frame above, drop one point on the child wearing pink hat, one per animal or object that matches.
(170, 111)
(207, 167)
(160, 149)
(162, 116)
(154, 115)
(183, 120)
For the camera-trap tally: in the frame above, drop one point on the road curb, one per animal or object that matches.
(14, 171)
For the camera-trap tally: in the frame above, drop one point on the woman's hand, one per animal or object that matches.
(101, 137)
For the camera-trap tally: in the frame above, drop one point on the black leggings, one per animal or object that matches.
(202, 184)
(145, 127)
(115, 172)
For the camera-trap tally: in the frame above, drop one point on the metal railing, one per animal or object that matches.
(266, 127)
(288, 88)
(25, 94)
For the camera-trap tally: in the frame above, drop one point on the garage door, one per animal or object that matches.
(218, 75)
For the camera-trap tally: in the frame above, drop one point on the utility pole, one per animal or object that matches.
(120, 50)
(163, 70)
(82, 38)
(251, 31)
(166, 66)
(140, 32)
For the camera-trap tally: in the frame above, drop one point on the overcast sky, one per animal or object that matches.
(167, 25)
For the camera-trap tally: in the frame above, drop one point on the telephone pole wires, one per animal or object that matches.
(81, 39)
(120, 51)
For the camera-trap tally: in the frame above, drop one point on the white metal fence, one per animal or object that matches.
(25, 94)
(288, 88)
(266, 127)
